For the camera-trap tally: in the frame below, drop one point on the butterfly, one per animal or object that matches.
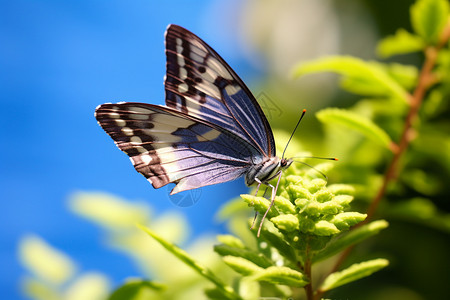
(212, 129)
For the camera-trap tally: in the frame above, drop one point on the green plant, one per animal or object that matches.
(53, 275)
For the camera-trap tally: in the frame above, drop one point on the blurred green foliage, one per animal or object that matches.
(53, 274)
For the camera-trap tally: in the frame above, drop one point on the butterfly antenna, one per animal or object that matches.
(318, 171)
(316, 157)
(301, 117)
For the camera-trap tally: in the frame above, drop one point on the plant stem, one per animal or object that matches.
(425, 78)
(307, 270)
(416, 101)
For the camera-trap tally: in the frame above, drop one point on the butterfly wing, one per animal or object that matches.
(166, 145)
(200, 83)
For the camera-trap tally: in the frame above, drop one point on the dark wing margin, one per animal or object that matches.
(200, 83)
(167, 146)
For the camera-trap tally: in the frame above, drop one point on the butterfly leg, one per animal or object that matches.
(256, 212)
(274, 193)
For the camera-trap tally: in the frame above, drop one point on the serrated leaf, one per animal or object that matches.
(282, 275)
(189, 261)
(284, 205)
(341, 189)
(287, 223)
(363, 74)
(353, 273)
(136, 289)
(351, 238)
(325, 228)
(260, 204)
(241, 265)
(315, 209)
(343, 200)
(347, 219)
(428, 18)
(355, 122)
(401, 42)
(257, 258)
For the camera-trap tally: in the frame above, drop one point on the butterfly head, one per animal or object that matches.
(285, 163)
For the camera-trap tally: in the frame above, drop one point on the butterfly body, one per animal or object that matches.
(212, 129)
(266, 170)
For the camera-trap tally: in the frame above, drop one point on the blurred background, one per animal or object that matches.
(60, 59)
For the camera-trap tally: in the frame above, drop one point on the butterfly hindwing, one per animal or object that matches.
(200, 83)
(167, 146)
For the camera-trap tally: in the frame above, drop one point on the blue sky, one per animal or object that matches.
(58, 61)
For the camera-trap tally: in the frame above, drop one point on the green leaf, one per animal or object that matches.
(38, 290)
(354, 236)
(216, 294)
(136, 289)
(46, 262)
(353, 273)
(260, 204)
(88, 286)
(287, 223)
(281, 275)
(365, 77)
(231, 241)
(343, 200)
(241, 265)
(249, 289)
(356, 122)
(434, 104)
(257, 258)
(405, 75)
(347, 219)
(231, 209)
(325, 228)
(429, 17)
(109, 211)
(341, 189)
(316, 209)
(189, 261)
(277, 240)
(361, 86)
(401, 42)
(420, 210)
(284, 205)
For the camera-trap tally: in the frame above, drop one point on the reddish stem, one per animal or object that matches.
(307, 270)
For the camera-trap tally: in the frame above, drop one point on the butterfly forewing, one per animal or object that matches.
(200, 83)
(166, 145)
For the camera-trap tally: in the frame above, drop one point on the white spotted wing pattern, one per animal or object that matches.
(212, 129)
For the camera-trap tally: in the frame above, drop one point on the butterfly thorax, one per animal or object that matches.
(266, 170)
